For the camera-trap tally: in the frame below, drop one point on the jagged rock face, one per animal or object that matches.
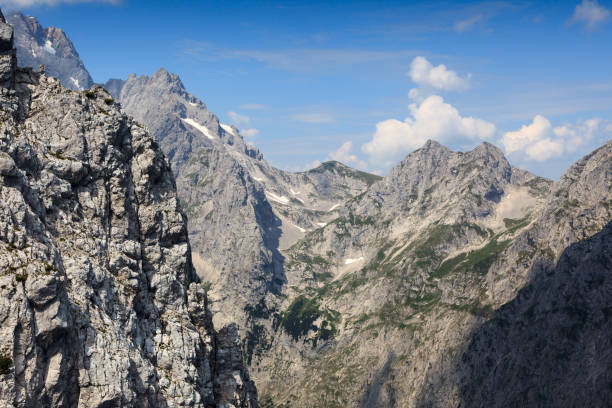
(354, 291)
(100, 305)
(51, 47)
(550, 345)
(242, 211)
(384, 300)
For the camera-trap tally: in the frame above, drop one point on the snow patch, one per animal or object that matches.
(193, 104)
(515, 204)
(228, 129)
(280, 199)
(294, 192)
(201, 128)
(257, 179)
(334, 207)
(299, 228)
(75, 82)
(321, 224)
(49, 47)
(349, 261)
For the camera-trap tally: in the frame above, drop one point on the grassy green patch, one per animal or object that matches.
(475, 308)
(21, 277)
(300, 316)
(478, 261)
(437, 235)
(341, 169)
(304, 259)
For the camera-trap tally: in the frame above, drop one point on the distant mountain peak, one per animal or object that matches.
(51, 47)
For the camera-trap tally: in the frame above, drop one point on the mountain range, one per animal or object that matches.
(455, 280)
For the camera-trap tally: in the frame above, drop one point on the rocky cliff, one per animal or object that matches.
(49, 46)
(100, 305)
(242, 212)
(403, 299)
(355, 291)
(457, 280)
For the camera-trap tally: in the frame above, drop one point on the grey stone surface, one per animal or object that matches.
(406, 291)
(549, 346)
(99, 302)
(50, 47)
(374, 302)
(242, 212)
(6, 35)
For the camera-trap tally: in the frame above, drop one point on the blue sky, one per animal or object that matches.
(367, 83)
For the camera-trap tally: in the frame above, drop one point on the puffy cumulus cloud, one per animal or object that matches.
(31, 3)
(431, 119)
(344, 155)
(590, 13)
(241, 122)
(544, 149)
(540, 141)
(424, 73)
(538, 130)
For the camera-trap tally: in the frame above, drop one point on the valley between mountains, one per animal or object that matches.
(457, 280)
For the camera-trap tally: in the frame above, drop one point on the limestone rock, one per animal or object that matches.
(50, 47)
(99, 302)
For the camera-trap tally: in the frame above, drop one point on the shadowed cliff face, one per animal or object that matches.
(551, 345)
(99, 302)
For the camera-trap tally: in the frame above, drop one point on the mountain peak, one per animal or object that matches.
(50, 47)
(488, 149)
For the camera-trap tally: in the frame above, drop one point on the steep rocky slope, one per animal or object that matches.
(100, 305)
(382, 302)
(363, 292)
(242, 212)
(49, 46)
(457, 280)
(568, 363)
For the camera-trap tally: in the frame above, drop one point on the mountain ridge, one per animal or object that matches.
(352, 290)
(51, 47)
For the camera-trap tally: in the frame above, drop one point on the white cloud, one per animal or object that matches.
(241, 121)
(344, 155)
(590, 13)
(238, 119)
(544, 149)
(251, 132)
(438, 77)
(539, 129)
(467, 24)
(32, 3)
(540, 141)
(313, 117)
(312, 165)
(431, 119)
